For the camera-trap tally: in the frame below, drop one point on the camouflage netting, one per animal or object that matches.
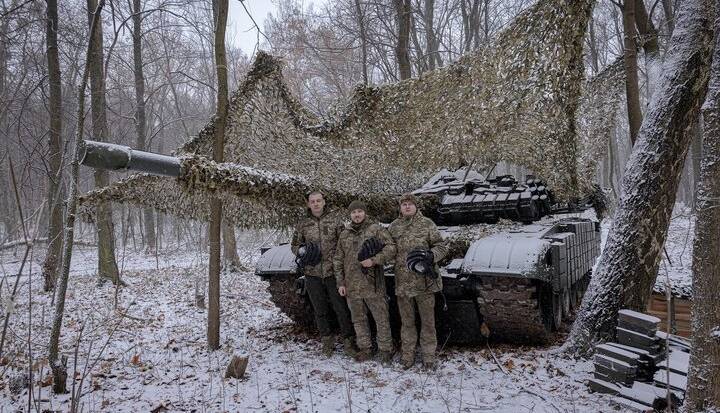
(601, 100)
(515, 101)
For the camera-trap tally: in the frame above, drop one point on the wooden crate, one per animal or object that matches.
(658, 308)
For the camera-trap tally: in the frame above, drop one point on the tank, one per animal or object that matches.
(519, 262)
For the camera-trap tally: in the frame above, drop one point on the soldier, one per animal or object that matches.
(362, 250)
(314, 242)
(419, 248)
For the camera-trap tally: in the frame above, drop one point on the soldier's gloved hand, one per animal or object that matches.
(309, 254)
(421, 261)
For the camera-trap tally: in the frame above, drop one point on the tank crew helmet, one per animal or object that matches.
(370, 248)
(308, 255)
(421, 261)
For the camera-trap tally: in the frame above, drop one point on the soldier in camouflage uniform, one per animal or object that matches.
(322, 228)
(412, 231)
(363, 282)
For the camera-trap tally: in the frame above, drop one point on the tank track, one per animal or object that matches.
(294, 305)
(512, 310)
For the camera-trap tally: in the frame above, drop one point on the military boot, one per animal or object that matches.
(328, 345)
(407, 361)
(385, 357)
(430, 364)
(350, 348)
(362, 355)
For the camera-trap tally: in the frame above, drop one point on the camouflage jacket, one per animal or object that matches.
(348, 271)
(417, 231)
(324, 232)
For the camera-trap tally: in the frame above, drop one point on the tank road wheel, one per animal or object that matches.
(565, 301)
(294, 305)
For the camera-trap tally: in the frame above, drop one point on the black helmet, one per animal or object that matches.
(370, 248)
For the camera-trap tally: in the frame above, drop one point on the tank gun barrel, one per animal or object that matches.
(113, 157)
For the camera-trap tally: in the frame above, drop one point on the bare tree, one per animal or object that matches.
(107, 265)
(220, 12)
(704, 380)
(50, 266)
(363, 40)
(403, 14)
(628, 265)
(632, 90)
(57, 364)
(140, 116)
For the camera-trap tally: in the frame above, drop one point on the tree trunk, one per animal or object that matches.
(220, 12)
(58, 364)
(107, 265)
(54, 197)
(140, 117)
(363, 40)
(430, 43)
(632, 91)
(627, 268)
(402, 53)
(669, 15)
(649, 35)
(594, 61)
(704, 374)
(230, 255)
(697, 155)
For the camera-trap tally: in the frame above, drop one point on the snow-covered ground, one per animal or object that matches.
(143, 348)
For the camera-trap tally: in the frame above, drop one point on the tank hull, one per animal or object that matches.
(523, 284)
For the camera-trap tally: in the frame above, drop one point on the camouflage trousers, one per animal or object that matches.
(425, 304)
(325, 300)
(379, 309)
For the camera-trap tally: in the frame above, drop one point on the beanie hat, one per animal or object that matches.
(357, 204)
(409, 197)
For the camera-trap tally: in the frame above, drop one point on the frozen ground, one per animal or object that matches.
(142, 348)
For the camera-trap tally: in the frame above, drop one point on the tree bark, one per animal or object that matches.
(220, 12)
(630, 259)
(57, 363)
(54, 197)
(402, 53)
(649, 36)
(230, 255)
(669, 15)
(704, 374)
(363, 40)
(697, 155)
(632, 90)
(430, 43)
(107, 265)
(140, 117)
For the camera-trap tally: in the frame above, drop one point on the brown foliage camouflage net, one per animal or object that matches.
(515, 101)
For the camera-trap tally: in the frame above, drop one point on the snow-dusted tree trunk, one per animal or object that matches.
(220, 13)
(704, 377)
(107, 264)
(630, 259)
(632, 90)
(57, 366)
(52, 258)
